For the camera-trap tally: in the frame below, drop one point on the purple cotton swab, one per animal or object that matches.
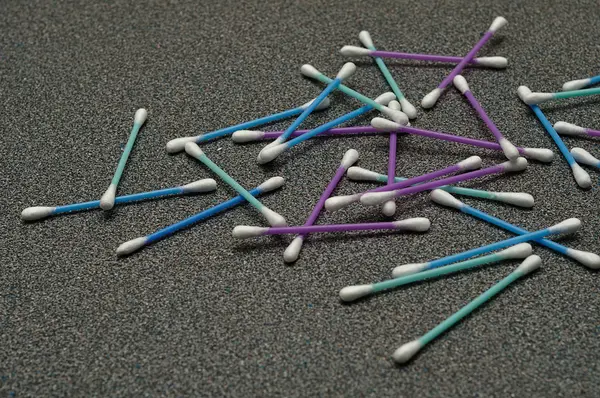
(293, 250)
(430, 99)
(510, 151)
(389, 207)
(565, 128)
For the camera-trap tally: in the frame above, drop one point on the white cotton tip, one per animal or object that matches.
(523, 92)
(322, 105)
(536, 98)
(351, 293)
(350, 157)
(205, 185)
(521, 250)
(417, 224)
(582, 177)
(408, 269)
(385, 98)
(510, 151)
(376, 198)
(520, 199)
(408, 108)
(279, 140)
(178, 144)
(530, 264)
(497, 24)
(407, 351)
(354, 51)
(140, 116)
(519, 164)
(540, 154)
(589, 259)
(347, 70)
(271, 184)
(36, 213)
(461, 84)
(365, 39)
(339, 202)
(269, 153)
(192, 149)
(397, 116)
(575, 84)
(430, 99)
(395, 105)
(242, 136)
(445, 199)
(246, 231)
(275, 219)
(568, 226)
(384, 124)
(310, 71)
(568, 129)
(292, 252)
(493, 62)
(471, 163)
(359, 174)
(389, 208)
(131, 246)
(583, 156)
(107, 201)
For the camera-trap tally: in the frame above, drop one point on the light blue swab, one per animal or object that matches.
(408, 350)
(584, 157)
(581, 83)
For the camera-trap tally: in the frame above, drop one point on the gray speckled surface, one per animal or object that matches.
(202, 314)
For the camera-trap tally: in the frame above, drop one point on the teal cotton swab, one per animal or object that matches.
(274, 219)
(538, 98)
(351, 293)
(107, 201)
(408, 350)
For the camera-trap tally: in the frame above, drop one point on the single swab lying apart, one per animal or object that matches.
(405, 105)
(107, 201)
(521, 199)
(351, 293)
(568, 226)
(430, 99)
(376, 198)
(271, 151)
(491, 62)
(39, 212)
(538, 98)
(583, 156)
(178, 144)
(408, 350)
(389, 208)
(137, 243)
(397, 116)
(293, 250)
(272, 217)
(581, 83)
(418, 224)
(565, 128)
(588, 259)
(581, 176)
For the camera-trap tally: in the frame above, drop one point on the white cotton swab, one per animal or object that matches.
(581, 83)
(583, 156)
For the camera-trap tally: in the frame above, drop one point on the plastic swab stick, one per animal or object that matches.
(351, 293)
(588, 259)
(583, 156)
(39, 212)
(107, 201)
(538, 98)
(565, 128)
(389, 208)
(581, 83)
(430, 99)
(510, 151)
(293, 250)
(178, 144)
(137, 243)
(272, 217)
(243, 136)
(581, 176)
(566, 227)
(408, 350)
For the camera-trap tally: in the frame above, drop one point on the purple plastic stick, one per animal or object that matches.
(330, 228)
(592, 133)
(425, 177)
(468, 58)
(420, 57)
(486, 119)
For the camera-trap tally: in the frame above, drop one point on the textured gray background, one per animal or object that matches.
(202, 314)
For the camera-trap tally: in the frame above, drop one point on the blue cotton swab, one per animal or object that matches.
(583, 156)
(408, 350)
(137, 243)
(39, 212)
(581, 83)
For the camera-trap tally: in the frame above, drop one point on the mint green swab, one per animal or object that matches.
(408, 350)
(275, 219)
(107, 201)
(538, 98)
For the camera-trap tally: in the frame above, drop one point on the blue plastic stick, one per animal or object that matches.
(550, 129)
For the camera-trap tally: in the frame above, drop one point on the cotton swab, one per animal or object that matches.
(351, 293)
(137, 243)
(566, 227)
(565, 128)
(540, 154)
(588, 259)
(375, 198)
(521, 199)
(430, 99)
(39, 212)
(581, 83)
(397, 116)
(270, 152)
(418, 224)
(510, 151)
(107, 201)
(293, 250)
(538, 98)
(244, 136)
(405, 105)
(272, 217)
(583, 156)
(408, 350)
(581, 176)
(178, 144)
(389, 208)
(337, 202)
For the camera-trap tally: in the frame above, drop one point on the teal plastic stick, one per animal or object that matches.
(576, 93)
(354, 94)
(123, 161)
